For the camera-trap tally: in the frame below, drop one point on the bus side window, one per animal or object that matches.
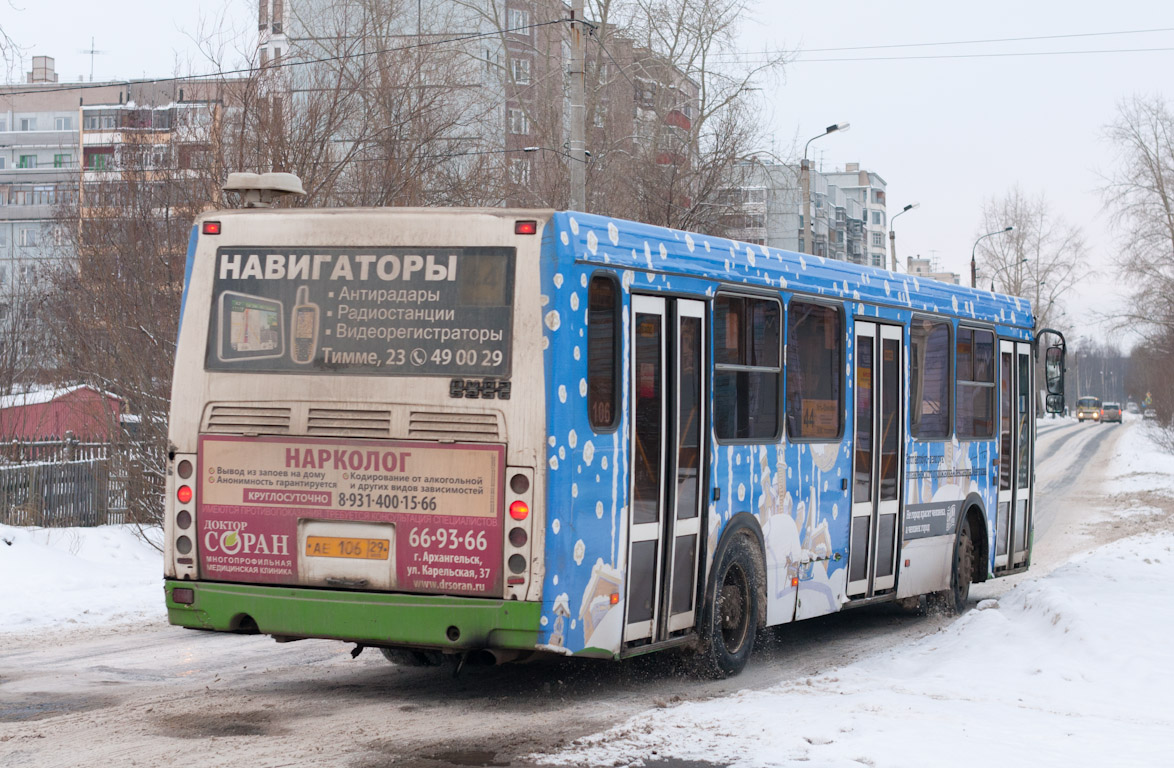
(975, 355)
(747, 343)
(602, 350)
(815, 354)
(929, 379)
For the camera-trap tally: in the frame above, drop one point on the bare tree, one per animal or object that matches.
(1140, 194)
(113, 306)
(1041, 259)
(669, 118)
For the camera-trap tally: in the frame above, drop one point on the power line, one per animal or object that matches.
(943, 43)
(17, 91)
(1002, 55)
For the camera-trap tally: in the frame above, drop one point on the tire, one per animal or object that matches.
(729, 620)
(953, 600)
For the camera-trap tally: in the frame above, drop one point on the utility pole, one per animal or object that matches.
(578, 116)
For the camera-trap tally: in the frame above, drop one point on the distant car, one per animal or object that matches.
(1149, 413)
(1111, 412)
(1132, 407)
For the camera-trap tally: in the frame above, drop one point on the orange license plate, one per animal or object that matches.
(359, 549)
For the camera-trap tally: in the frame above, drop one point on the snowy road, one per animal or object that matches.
(149, 694)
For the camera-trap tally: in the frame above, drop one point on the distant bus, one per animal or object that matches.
(506, 432)
(1088, 408)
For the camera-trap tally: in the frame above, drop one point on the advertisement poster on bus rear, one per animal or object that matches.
(351, 514)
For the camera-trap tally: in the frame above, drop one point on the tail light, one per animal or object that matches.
(519, 536)
(181, 517)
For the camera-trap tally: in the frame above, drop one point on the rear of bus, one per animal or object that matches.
(1088, 408)
(356, 420)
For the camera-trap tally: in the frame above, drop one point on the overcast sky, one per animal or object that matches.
(946, 132)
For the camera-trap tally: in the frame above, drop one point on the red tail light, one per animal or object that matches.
(525, 227)
(519, 509)
(211, 227)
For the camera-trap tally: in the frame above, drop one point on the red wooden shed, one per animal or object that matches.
(90, 414)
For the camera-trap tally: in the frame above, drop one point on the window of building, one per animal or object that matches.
(815, 353)
(521, 70)
(99, 161)
(603, 328)
(929, 373)
(878, 239)
(2, 162)
(755, 195)
(878, 259)
(3, 236)
(975, 361)
(44, 195)
(747, 337)
(878, 196)
(28, 123)
(517, 20)
(3, 124)
(520, 171)
(27, 161)
(517, 122)
(26, 236)
(878, 218)
(63, 123)
(62, 161)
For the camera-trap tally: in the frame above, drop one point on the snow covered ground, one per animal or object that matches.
(62, 578)
(1069, 668)
(1073, 668)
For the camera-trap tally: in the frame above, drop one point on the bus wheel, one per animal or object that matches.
(730, 618)
(953, 600)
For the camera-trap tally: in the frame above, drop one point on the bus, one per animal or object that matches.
(1088, 408)
(490, 433)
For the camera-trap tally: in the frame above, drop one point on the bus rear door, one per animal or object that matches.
(667, 407)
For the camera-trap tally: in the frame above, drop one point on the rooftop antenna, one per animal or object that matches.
(92, 50)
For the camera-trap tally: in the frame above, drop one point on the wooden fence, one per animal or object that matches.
(61, 483)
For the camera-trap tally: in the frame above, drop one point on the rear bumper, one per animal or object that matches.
(370, 618)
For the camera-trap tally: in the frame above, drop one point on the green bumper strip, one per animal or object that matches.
(371, 618)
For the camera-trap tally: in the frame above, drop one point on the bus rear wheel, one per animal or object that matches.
(953, 600)
(730, 619)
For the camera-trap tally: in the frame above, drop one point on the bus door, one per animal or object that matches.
(879, 433)
(1013, 521)
(667, 407)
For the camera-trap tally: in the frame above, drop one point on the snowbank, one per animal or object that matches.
(1070, 669)
(61, 577)
(1139, 465)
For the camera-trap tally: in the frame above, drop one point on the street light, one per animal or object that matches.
(805, 172)
(893, 234)
(1006, 266)
(973, 264)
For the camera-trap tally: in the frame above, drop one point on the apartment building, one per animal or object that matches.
(867, 189)
(56, 138)
(767, 209)
(507, 100)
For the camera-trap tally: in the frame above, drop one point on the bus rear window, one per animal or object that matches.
(371, 311)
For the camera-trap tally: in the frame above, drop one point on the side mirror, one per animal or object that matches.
(1054, 370)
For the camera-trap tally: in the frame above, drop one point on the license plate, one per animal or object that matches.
(359, 549)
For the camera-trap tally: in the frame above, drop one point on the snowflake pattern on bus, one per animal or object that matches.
(799, 494)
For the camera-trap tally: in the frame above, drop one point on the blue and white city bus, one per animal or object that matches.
(507, 432)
